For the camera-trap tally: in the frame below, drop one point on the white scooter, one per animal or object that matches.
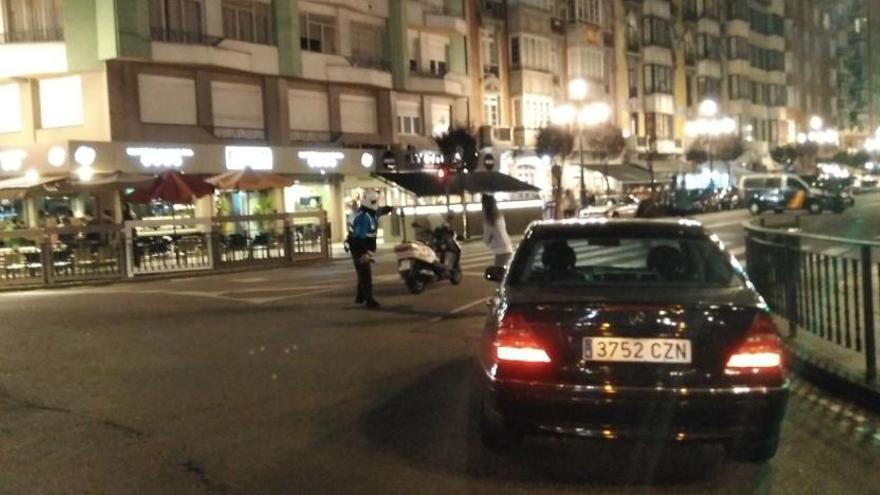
(420, 263)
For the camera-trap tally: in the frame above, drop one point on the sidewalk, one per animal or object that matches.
(839, 371)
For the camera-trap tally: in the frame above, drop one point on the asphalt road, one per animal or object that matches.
(274, 382)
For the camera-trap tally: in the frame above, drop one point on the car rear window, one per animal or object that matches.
(753, 183)
(623, 261)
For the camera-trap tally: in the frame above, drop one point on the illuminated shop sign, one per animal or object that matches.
(252, 157)
(425, 159)
(160, 157)
(322, 160)
(12, 160)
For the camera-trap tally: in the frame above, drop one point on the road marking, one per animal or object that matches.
(438, 319)
(250, 280)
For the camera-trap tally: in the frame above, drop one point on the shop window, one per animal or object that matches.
(167, 100)
(245, 20)
(61, 102)
(317, 33)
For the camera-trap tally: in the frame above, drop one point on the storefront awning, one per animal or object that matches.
(430, 184)
(18, 187)
(627, 174)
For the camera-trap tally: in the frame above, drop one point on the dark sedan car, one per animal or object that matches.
(631, 329)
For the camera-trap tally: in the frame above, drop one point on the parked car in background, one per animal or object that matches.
(867, 184)
(624, 206)
(729, 198)
(693, 201)
(843, 188)
(781, 192)
(668, 342)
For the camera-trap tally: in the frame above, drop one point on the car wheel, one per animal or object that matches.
(839, 209)
(415, 284)
(755, 452)
(496, 436)
(456, 276)
(815, 207)
(615, 214)
(755, 209)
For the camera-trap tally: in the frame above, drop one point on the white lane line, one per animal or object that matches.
(457, 310)
(249, 280)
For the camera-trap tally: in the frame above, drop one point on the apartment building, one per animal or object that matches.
(320, 89)
(856, 27)
(812, 61)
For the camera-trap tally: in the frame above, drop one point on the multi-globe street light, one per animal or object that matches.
(710, 127)
(578, 115)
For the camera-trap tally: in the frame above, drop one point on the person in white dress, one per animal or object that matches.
(495, 231)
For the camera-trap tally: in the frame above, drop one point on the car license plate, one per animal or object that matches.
(617, 349)
(405, 265)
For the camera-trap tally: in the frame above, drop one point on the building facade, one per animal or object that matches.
(327, 80)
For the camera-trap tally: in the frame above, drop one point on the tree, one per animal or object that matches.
(557, 143)
(790, 154)
(605, 141)
(458, 147)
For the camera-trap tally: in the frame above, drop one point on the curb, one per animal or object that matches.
(831, 378)
(159, 276)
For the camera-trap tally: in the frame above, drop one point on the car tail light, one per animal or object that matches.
(761, 350)
(514, 342)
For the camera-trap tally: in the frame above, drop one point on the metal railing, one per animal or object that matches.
(242, 133)
(47, 257)
(824, 285)
(37, 36)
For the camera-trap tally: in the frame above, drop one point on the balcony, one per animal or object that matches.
(491, 71)
(493, 136)
(493, 8)
(557, 25)
(301, 136)
(39, 36)
(438, 81)
(238, 133)
(184, 37)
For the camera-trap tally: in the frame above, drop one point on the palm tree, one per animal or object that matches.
(460, 153)
(557, 143)
(605, 141)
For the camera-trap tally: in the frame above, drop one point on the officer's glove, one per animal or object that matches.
(384, 210)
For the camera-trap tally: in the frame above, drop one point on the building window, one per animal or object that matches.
(247, 21)
(317, 33)
(738, 48)
(409, 117)
(632, 76)
(658, 79)
(178, 21)
(633, 35)
(529, 52)
(586, 62)
(536, 111)
(31, 21)
(663, 125)
(366, 44)
(708, 47)
(492, 110)
(657, 32)
(708, 87)
(585, 11)
(739, 88)
(489, 47)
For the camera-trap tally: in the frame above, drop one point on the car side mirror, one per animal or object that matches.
(495, 274)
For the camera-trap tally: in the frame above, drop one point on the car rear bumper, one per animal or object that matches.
(708, 415)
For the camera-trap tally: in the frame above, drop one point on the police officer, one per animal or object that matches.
(362, 245)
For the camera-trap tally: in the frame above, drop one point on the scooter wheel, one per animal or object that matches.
(456, 276)
(415, 285)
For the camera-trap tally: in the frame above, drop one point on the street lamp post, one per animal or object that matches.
(578, 115)
(818, 135)
(710, 127)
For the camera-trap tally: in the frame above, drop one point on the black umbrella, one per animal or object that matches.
(429, 184)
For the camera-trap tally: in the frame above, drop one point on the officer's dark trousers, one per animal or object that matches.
(364, 279)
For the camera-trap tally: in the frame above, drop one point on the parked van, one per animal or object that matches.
(780, 192)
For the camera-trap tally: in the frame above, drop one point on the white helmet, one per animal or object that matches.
(370, 199)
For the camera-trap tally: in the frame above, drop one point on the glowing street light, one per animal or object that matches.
(710, 127)
(577, 89)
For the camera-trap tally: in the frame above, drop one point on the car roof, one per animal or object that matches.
(575, 228)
